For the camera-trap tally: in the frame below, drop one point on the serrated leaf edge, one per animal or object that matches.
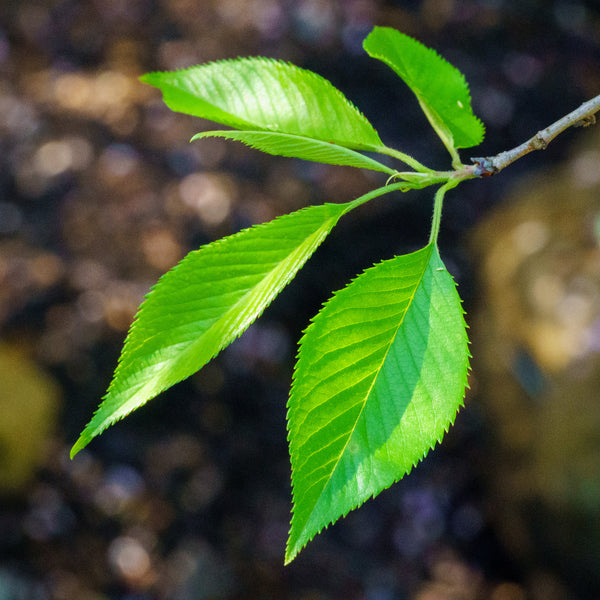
(362, 161)
(131, 343)
(282, 65)
(290, 557)
(440, 128)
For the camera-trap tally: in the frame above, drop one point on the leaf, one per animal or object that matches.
(260, 94)
(205, 302)
(284, 144)
(440, 88)
(381, 374)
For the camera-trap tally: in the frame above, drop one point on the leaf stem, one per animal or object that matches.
(380, 191)
(405, 158)
(580, 117)
(437, 208)
(456, 162)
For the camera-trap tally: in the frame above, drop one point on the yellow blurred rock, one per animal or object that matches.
(29, 403)
(536, 346)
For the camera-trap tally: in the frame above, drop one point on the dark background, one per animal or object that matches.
(189, 498)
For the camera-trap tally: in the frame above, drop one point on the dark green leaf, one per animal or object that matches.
(440, 88)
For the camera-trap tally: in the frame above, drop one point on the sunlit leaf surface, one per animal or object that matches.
(381, 374)
(260, 94)
(204, 303)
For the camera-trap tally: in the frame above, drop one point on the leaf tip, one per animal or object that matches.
(294, 544)
(149, 78)
(80, 444)
(289, 556)
(297, 541)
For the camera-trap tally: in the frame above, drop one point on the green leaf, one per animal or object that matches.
(205, 302)
(381, 374)
(284, 144)
(260, 94)
(440, 88)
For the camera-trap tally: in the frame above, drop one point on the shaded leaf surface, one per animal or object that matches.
(381, 373)
(260, 94)
(204, 303)
(440, 88)
(284, 144)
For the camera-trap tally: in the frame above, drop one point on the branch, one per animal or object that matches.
(581, 117)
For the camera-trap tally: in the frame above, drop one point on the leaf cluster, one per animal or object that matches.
(382, 368)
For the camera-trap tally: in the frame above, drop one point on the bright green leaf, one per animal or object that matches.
(381, 374)
(440, 88)
(260, 94)
(284, 144)
(205, 302)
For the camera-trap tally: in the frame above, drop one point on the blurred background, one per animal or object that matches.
(189, 498)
